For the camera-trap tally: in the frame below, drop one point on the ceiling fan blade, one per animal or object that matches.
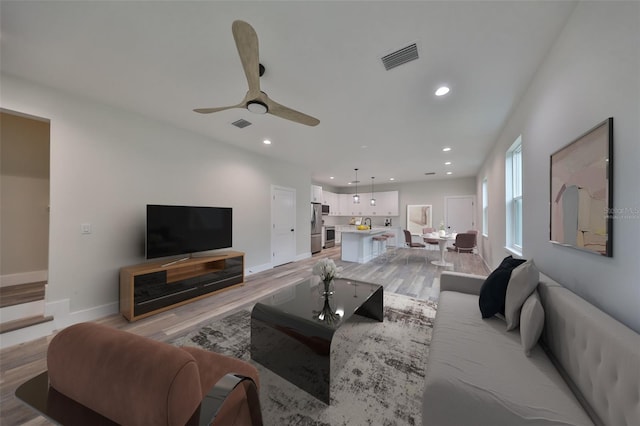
(210, 110)
(288, 113)
(247, 45)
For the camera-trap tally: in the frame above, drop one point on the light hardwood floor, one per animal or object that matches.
(406, 271)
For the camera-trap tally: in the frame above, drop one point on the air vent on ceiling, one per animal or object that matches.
(400, 56)
(429, 173)
(242, 123)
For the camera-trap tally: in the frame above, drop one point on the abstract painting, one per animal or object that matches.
(582, 191)
(418, 217)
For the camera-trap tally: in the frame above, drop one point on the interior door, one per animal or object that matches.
(460, 213)
(283, 225)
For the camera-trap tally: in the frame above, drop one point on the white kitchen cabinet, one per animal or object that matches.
(362, 208)
(316, 194)
(331, 200)
(386, 204)
(345, 202)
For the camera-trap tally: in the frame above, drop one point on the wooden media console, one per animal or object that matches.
(149, 288)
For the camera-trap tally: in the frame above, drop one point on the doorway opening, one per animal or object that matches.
(24, 219)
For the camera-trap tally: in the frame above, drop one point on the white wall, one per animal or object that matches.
(107, 164)
(591, 73)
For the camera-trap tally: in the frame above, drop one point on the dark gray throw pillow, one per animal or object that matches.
(494, 289)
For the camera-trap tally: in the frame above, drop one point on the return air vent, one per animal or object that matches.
(429, 173)
(242, 123)
(400, 56)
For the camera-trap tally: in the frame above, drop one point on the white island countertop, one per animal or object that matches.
(359, 246)
(373, 231)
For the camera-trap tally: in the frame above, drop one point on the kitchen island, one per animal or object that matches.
(359, 246)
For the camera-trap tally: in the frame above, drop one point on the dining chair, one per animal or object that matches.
(411, 244)
(431, 242)
(465, 243)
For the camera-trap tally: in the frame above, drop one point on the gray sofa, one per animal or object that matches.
(585, 369)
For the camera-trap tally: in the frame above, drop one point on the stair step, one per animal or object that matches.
(22, 293)
(24, 322)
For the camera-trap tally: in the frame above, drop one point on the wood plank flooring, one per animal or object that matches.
(406, 271)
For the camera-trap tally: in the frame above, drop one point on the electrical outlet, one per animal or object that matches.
(85, 228)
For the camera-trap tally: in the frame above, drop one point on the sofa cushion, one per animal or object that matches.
(524, 280)
(478, 374)
(494, 288)
(531, 322)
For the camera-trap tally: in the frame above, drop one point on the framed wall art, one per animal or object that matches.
(582, 192)
(418, 217)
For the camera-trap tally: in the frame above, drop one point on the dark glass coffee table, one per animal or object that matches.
(292, 329)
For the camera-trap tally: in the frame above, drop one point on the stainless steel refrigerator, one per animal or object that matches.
(316, 227)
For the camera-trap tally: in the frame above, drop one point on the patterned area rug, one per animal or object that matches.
(377, 374)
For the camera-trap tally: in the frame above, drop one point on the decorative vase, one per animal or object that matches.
(326, 314)
(327, 287)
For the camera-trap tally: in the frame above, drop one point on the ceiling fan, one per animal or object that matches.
(256, 100)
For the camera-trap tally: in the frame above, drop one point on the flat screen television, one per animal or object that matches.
(177, 230)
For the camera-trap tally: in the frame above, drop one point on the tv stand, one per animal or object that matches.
(150, 288)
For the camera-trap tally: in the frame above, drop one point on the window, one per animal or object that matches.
(485, 208)
(513, 190)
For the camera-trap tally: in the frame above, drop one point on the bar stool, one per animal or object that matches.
(380, 240)
(391, 244)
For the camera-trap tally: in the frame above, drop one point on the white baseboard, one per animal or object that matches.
(23, 278)
(267, 266)
(62, 317)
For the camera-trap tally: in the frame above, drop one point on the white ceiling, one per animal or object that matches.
(162, 59)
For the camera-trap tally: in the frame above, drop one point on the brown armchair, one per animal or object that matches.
(101, 375)
(465, 243)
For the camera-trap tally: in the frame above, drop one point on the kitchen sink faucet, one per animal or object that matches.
(365, 221)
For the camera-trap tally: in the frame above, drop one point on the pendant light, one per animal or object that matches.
(356, 197)
(373, 199)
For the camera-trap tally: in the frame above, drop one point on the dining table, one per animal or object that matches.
(442, 245)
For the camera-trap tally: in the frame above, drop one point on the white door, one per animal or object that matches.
(283, 225)
(459, 213)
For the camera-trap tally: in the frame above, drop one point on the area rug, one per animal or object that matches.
(377, 375)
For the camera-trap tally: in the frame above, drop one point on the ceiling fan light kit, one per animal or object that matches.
(257, 107)
(256, 100)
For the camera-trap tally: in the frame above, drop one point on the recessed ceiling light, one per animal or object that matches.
(448, 163)
(392, 178)
(443, 90)
(331, 177)
(446, 149)
(266, 142)
(449, 173)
